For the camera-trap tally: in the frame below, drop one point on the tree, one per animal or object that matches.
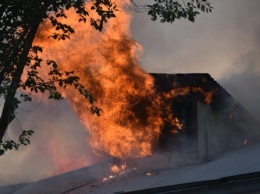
(19, 24)
(171, 10)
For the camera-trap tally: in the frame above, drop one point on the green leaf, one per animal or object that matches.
(2, 152)
(191, 18)
(91, 101)
(203, 8)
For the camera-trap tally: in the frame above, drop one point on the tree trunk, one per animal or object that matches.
(8, 109)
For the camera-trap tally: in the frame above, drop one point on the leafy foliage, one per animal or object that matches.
(19, 23)
(24, 139)
(18, 56)
(104, 14)
(170, 10)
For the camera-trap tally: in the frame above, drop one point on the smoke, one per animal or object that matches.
(224, 43)
(245, 88)
(58, 145)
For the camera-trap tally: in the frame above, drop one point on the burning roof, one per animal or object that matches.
(85, 180)
(212, 120)
(137, 106)
(208, 128)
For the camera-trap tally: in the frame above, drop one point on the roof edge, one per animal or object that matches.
(232, 184)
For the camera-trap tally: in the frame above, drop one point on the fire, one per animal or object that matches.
(208, 95)
(116, 170)
(148, 173)
(182, 91)
(245, 142)
(174, 131)
(108, 64)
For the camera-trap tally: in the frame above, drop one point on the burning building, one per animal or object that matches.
(213, 131)
(212, 120)
(142, 113)
(149, 120)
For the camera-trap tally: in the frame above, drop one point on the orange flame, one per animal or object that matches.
(115, 169)
(118, 169)
(182, 91)
(108, 66)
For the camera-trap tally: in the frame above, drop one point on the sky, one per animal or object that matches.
(224, 44)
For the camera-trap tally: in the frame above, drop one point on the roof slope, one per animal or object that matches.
(89, 179)
(245, 160)
(60, 183)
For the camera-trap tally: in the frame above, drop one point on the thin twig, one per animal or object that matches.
(35, 108)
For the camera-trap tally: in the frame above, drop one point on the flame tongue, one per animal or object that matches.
(107, 63)
(125, 93)
(108, 66)
(111, 71)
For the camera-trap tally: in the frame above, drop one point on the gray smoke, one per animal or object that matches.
(58, 145)
(224, 43)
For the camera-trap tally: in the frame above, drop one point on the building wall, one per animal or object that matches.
(208, 129)
(223, 130)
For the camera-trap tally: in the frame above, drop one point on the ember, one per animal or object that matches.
(245, 142)
(118, 169)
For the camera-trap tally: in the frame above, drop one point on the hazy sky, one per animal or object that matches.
(224, 44)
